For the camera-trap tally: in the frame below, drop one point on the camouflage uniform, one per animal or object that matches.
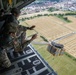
(20, 32)
(4, 60)
(11, 25)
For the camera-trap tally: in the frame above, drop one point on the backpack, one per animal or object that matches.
(6, 23)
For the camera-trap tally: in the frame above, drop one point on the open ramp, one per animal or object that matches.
(29, 62)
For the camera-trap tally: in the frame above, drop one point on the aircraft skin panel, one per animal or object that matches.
(29, 62)
(6, 4)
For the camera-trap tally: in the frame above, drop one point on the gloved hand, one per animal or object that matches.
(34, 37)
(32, 27)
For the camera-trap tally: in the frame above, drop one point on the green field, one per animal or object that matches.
(63, 65)
(63, 18)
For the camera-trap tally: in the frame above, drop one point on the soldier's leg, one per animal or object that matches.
(17, 46)
(23, 36)
(18, 42)
(4, 60)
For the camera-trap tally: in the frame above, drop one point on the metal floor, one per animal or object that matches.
(29, 62)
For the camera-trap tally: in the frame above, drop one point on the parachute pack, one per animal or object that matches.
(56, 49)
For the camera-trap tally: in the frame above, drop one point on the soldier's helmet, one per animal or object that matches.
(15, 11)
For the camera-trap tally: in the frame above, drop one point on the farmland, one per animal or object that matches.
(54, 29)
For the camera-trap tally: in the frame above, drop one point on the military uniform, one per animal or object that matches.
(4, 60)
(11, 25)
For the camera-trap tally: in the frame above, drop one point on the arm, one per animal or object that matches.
(26, 42)
(24, 28)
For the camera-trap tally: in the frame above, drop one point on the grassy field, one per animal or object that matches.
(52, 28)
(64, 18)
(63, 65)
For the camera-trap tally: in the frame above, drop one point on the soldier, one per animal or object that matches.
(18, 30)
(4, 60)
(9, 36)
